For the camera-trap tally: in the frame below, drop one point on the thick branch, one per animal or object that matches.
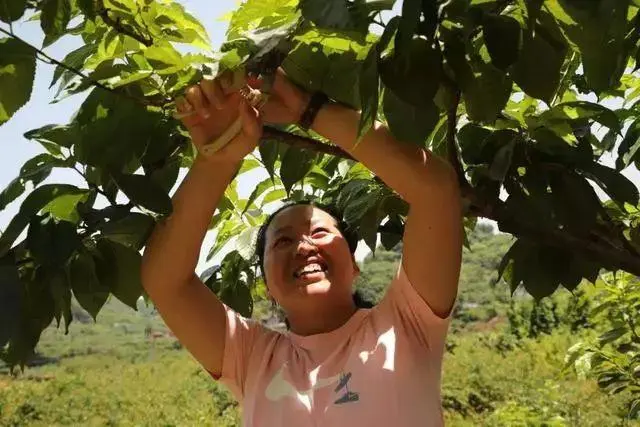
(298, 141)
(592, 245)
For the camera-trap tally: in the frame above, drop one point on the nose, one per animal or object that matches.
(306, 244)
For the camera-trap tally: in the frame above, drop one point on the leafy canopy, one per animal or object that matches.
(511, 91)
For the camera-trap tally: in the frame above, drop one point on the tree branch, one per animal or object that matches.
(42, 56)
(591, 245)
(271, 133)
(452, 146)
(117, 25)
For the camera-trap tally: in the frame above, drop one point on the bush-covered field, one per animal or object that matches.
(504, 365)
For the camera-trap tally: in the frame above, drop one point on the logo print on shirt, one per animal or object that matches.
(348, 396)
(280, 388)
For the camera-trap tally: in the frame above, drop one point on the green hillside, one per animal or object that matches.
(504, 364)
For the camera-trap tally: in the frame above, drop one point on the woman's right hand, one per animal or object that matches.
(214, 110)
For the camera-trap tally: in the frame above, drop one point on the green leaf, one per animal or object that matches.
(413, 76)
(327, 13)
(176, 24)
(502, 161)
(629, 147)
(87, 7)
(74, 59)
(369, 84)
(11, 192)
(54, 19)
(262, 186)
(295, 165)
(612, 335)
(17, 71)
(537, 70)
(274, 195)
(90, 292)
(61, 294)
(132, 230)
(328, 61)
(389, 31)
(229, 228)
(634, 409)
(538, 268)
(245, 243)
(617, 186)
(118, 267)
(269, 154)
(486, 95)
(598, 29)
(64, 207)
(12, 10)
(580, 110)
(35, 201)
(369, 223)
(51, 242)
(164, 58)
(472, 139)
(408, 24)
(34, 170)
(10, 298)
(503, 36)
(407, 122)
(144, 192)
(56, 135)
(576, 204)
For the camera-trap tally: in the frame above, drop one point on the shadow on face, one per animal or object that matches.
(307, 260)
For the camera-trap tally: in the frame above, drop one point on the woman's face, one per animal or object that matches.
(307, 259)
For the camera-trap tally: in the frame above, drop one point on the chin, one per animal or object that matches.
(321, 287)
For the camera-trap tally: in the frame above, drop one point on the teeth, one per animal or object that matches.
(310, 268)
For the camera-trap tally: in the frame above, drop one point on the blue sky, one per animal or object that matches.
(39, 112)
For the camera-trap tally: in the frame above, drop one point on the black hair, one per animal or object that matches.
(349, 234)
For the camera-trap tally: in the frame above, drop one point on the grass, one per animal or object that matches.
(110, 373)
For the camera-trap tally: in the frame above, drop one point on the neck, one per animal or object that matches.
(321, 319)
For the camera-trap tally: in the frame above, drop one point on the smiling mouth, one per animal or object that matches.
(310, 269)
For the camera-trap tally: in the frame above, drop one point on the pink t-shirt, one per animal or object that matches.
(381, 368)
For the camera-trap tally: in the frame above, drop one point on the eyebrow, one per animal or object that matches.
(282, 229)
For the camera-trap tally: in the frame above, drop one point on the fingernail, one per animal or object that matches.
(205, 114)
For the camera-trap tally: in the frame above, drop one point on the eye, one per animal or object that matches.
(283, 240)
(320, 230)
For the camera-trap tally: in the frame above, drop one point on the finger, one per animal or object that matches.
(250, 117)
(182, 105)
(254, 81)
(197, 99)
(213, 92)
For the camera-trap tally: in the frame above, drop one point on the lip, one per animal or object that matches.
(310, 261)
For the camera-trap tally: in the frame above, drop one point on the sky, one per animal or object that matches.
(38, 111)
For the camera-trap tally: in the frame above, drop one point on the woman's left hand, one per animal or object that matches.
(286, 101)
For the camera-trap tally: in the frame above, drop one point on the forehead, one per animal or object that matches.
(299, 216)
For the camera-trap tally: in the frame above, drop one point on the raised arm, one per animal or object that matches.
(433, 232)
(188, 307)
(432, 241)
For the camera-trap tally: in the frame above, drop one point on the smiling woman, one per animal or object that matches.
(339, 363)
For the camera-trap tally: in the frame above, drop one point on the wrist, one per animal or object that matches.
(217, 162)
(301, 105)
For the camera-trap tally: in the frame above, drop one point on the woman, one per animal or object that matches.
(338, 365)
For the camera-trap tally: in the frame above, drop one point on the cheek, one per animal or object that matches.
(338, 251)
